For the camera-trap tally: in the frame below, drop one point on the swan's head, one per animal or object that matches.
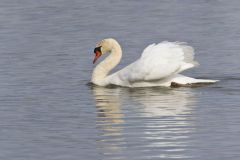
(102, 47)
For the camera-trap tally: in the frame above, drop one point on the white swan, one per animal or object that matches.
(159, 65)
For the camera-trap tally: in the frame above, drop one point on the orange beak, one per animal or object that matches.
(98, 53)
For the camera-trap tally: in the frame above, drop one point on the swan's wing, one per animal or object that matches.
(158, 61)
(167, 58)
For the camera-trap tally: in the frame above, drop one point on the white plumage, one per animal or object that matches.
(159, 65)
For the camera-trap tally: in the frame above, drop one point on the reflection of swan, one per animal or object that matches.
(110, 118)
(146, 119)
(171, 111)
(159, 65)
(108, 104)
(168, 102)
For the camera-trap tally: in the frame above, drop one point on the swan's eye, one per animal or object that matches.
(98, 49)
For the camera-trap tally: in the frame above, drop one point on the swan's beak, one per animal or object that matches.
(98, 54)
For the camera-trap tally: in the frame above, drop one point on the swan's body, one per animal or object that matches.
(159, 65)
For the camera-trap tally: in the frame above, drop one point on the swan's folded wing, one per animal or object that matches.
(158, 61)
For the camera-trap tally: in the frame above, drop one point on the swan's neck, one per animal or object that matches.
(101, 71)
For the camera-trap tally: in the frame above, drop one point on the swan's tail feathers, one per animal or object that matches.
(184, 81)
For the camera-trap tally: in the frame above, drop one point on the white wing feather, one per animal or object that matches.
(158, 61)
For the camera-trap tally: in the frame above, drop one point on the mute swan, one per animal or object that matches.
(159, 65)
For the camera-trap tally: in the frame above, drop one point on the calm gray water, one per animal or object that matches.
(47, 112)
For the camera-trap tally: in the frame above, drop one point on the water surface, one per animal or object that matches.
(48, 112)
